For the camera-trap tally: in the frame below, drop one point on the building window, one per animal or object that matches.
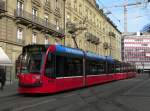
(34, 36)
(75, 5)
(86, 13)
(68, 17)
(46, 1)
(56, 4)
(46, 19)
(57, 24)
(19, 33)
(80, 9)
(19, 5)
(144, 44)
(46, 40)
(34, 13)
(139, 40)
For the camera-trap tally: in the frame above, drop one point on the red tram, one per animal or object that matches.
(55, 68)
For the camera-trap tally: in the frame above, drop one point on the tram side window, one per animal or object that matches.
(110, 68)
(94, 68)
(90, 67)
(128, 68)
(68, 66)
(125, 69)
(60, 66)
(50, 66)
(122, 68)
(73, 67)
(117, 68)
(78, 64)
(79, 67)
(101, 68)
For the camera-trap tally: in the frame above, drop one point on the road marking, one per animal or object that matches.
(33, 105)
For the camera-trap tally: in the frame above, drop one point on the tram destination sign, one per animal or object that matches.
(34, 49)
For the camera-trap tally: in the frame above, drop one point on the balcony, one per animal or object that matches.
(2, 7)
(35, 22)
(92, 38)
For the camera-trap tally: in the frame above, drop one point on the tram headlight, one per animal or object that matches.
(38, 77)
(38, 80)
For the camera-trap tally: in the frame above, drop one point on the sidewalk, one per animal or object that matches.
(9, 89)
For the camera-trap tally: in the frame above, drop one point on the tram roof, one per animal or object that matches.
(93, 56)
(76, 52)
(80, 53)
(110, 59)
(68, 50)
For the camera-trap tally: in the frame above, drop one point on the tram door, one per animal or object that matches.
(50, 80)
(59, 70)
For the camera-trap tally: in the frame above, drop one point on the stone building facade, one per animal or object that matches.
(44, 22)
(101, 36)
(29, 22)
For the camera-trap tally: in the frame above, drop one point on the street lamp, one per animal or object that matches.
(64, 19)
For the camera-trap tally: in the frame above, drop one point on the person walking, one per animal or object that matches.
(2, 78)
(149, 73)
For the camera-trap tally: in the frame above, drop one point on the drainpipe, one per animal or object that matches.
(64, 21)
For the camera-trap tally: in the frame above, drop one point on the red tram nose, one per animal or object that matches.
(30, 80)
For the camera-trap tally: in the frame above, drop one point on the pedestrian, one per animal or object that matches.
(2, 77)
(149, 73)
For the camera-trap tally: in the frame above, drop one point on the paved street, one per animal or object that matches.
(126, 95)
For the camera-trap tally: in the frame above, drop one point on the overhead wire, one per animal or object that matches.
(110, 13)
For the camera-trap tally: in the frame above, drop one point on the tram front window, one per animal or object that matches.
(32, 62)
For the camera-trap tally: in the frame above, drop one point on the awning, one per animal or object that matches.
(4, 59)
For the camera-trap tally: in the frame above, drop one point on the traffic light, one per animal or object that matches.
(148, 0)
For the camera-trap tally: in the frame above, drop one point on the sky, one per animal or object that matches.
(138, 16)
